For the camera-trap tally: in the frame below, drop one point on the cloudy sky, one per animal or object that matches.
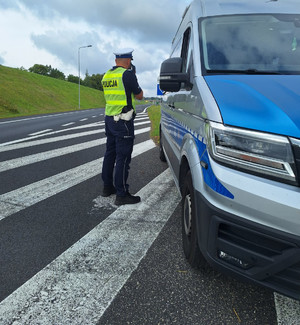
(49, 32)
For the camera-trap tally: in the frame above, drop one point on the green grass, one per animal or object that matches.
(154, 115)
(24, 93)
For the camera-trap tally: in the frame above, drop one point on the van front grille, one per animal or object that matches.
(260, 256)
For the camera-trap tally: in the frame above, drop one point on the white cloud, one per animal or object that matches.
(50, 33)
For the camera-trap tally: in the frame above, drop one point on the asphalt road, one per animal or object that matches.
(69, 256)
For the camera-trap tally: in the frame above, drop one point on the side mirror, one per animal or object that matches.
(171, 77)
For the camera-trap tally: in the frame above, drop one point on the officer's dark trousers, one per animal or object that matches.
(119, 145)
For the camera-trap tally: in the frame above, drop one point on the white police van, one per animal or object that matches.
(230, 131)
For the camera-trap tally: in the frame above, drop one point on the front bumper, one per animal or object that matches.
(249, 250)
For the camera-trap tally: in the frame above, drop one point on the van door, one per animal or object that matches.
(174, 106)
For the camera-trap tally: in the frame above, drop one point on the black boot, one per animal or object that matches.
(108, 190)
(128, 199)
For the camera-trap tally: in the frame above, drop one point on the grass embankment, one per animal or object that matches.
(154, 115)
(24, 93)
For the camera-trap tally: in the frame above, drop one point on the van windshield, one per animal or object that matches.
(251, 44)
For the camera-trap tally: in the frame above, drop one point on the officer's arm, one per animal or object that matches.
(139, 96)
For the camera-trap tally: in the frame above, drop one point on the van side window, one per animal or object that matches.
(185, 51)
(177, 49)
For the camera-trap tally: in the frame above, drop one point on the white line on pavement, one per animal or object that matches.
(92, 125)
(78, 286)
(41, 156)
(68, 124)
(28, 195)
(288, 310)
(48, 140)
(6, 145)
(36, 117)
(40, 132)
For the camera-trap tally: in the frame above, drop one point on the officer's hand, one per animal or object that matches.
(132, 68)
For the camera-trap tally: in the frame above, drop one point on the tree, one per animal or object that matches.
(93, 81)
(72, 78)
(96, 81)
(54, 73)
(47, 70)
(40, 69)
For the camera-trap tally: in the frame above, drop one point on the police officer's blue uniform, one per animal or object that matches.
(119, 85)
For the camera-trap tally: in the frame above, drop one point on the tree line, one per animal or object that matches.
(93, 81)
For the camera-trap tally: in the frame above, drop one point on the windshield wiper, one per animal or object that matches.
(246, 71)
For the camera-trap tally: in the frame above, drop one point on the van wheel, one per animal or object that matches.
(162, 156)
(189, 229)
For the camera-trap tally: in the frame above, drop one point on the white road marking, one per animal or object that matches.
(78, 286)
(92, 125)
(145, 109)
(36, 117)
(86, 126)
(83, 119)
(68, 124)
(29, 195)
(48, 140)
(40, 132)
(142, 118)
(41, 156)
(288, 310)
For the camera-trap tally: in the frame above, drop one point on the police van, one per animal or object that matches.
(230, 132)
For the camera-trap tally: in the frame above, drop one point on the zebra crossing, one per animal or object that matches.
(21, 198)
(77, 286)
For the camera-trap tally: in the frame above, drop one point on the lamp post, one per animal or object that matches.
(81, 47)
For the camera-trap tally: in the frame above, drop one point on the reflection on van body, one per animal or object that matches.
(230, 132)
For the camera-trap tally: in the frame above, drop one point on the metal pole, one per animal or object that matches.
(79, 78)
(81, 47)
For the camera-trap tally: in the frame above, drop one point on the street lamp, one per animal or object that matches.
(81, 47)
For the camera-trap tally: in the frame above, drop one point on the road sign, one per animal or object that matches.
(159, 92)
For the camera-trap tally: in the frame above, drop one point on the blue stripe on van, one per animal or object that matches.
(209, 177)
(177, 131)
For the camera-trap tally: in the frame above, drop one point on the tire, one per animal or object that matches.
(162, 156)
(189, 228)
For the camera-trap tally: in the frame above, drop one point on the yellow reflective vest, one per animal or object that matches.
(114, 92)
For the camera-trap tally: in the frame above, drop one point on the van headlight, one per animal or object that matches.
(263, 154)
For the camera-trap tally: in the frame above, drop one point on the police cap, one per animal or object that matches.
(124, 54)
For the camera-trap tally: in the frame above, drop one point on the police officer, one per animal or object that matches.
(120, 88)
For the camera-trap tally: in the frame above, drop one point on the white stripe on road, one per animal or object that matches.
(83, 119)
(49, 140)
(40, 132)
(80, 284)
(92, 125)
(26, 196)
(16, 144)
(288, 310)
(14, 120)
(42, 156)
(35, 118)
(68, 124)
(142, 118)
